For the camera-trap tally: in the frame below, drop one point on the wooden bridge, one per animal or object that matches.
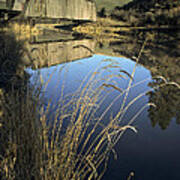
(52, 9)
(6, 10)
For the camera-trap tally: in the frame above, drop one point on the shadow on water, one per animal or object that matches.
(19, 126)
(11, 53)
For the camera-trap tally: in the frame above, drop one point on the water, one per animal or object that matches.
(152, 153)
(65, 67)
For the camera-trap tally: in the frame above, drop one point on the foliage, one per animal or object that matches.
(102, 12)
(143, 13)
(109, 5)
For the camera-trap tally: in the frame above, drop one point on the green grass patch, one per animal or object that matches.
(109, 5)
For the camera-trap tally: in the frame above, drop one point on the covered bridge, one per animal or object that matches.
(55, 9)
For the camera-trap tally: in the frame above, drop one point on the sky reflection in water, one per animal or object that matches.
(151, 153)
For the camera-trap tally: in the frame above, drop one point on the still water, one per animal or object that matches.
(97, 80)
(153, 152)
(92, 85)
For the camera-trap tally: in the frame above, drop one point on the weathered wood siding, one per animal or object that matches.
(18, 5)
(3, 4)
(65, 9)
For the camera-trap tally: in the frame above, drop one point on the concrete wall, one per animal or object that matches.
(68, 9)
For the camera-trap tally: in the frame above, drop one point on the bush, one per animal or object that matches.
(102, 13)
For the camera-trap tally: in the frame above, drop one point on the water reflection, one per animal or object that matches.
(159, 58)
(43, 52)
(167, 100)
(133, 150)
(162, 57)
(161, 54)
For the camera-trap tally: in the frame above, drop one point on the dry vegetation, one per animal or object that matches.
(77, 143)
(23, 31)
(103, 30)
(74, 146)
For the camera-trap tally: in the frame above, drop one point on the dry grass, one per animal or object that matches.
(105, 29)
(66, 140)
(23, 31)
(34, 149)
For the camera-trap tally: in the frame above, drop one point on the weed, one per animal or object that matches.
(66, 140)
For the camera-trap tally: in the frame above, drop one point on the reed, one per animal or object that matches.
(66, 140)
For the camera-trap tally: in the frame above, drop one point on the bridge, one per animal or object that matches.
(52, 9)
(6, 11)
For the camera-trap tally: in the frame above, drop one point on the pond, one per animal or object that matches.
(114, 102)
(152, 152)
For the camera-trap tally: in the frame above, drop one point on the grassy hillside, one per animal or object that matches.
(110, 4)
(154, 12)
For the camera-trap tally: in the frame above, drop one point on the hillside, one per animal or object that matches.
(110, 4)
(154, 12)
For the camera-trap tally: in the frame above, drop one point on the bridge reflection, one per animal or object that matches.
(44, 53)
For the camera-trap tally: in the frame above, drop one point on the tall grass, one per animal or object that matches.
(66, 140)
(75, 146)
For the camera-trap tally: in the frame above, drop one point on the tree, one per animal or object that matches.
(102, 12)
